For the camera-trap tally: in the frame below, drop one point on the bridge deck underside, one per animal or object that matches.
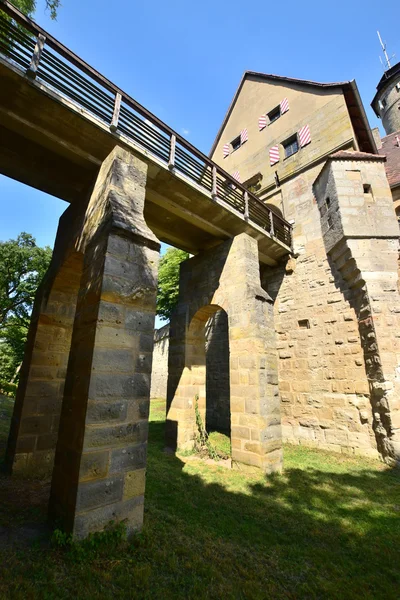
(47, 143)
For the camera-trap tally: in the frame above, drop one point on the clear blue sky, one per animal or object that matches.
(183, 60)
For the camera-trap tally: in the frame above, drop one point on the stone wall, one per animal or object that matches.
(322, 382)
(217, 371)
(218, 416)
(226, 277)
(159, 372)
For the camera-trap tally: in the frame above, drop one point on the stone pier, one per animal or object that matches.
(100, 456)
(361, 237)
(227, 277)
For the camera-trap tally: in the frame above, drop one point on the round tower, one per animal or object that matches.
(386, 102)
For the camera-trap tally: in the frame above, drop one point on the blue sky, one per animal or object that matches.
(184, 60)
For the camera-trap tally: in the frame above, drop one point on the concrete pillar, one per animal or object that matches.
(227, 277)
(99, 470)
(34, 426)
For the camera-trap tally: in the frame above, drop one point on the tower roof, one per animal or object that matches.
(384, 80)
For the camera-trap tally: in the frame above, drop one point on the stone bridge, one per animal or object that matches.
(130, 181)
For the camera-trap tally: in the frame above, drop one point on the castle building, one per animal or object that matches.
(386, 105)
(307, 150)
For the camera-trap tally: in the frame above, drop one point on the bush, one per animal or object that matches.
(8, 389)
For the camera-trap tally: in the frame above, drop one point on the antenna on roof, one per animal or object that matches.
(387, 64)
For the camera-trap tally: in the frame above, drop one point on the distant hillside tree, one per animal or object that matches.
(28, 7)
(168, 281)
(22, 267)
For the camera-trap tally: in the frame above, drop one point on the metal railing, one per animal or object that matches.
(42, 57)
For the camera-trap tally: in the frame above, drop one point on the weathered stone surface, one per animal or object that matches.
(226, 278)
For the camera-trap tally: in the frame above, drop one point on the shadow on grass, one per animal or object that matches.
(323, 529)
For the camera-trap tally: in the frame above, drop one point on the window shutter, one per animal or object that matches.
(227, 150)
(273, 155)
(236, 175)
(244, 136)
(304, 136)
(262, 122)
(284, 106)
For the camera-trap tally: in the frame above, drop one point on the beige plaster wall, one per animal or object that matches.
(325, 111)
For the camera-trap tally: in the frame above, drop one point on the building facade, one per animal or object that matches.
(308, 152)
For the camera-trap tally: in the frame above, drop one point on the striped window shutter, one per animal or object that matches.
(226, 150)
(262, 122)
(236, 175)
(273, 155)
(284, 106)
(304, 136)
(244, 136)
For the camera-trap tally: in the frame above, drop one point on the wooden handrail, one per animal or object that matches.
(119, 95)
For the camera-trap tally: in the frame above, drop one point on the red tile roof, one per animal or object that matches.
(348, 155)
(391, 149)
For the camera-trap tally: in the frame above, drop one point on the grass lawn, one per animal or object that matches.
(328, 528)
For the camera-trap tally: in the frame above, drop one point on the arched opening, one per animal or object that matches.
(208, 360)
(218, 414)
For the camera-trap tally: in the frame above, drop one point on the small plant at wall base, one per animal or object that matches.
(202, 442)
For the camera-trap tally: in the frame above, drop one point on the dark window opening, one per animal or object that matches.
(236, 143)
(328, 203)
(304, 324)
(367, 188)
(384, 102)
(274, 114)
(330, 222)
(291, 146)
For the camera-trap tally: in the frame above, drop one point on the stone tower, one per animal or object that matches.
(386, 102)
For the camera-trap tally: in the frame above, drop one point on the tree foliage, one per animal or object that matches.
(168, 281)
(22, 267)
(28, 7)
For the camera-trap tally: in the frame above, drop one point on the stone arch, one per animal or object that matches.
(226, 277)
(198, 365)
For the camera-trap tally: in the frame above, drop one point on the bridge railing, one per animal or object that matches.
(42, 57)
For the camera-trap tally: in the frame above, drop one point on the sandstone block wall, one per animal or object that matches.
(217, 371)
(227, 277)
(218, 413)
(159, 372)
(322, 379)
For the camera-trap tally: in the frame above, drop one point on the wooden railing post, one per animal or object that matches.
(117, 108)
(246, 205)
(271, 223)
(214, 192)
(37, 54)
(171, 162)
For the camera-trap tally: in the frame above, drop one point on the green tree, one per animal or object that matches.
(168, 281)
(28, 7)
(22, 267)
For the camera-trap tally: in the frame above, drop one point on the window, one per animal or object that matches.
(382, 103)
(330, 222)
(236, 143)
(274, 114)
(304, 324)
(367, 188)
(368, 195)
(291, 146)
(328, 203)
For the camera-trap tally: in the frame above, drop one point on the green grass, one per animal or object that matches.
(221, 443)
(328, 528)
